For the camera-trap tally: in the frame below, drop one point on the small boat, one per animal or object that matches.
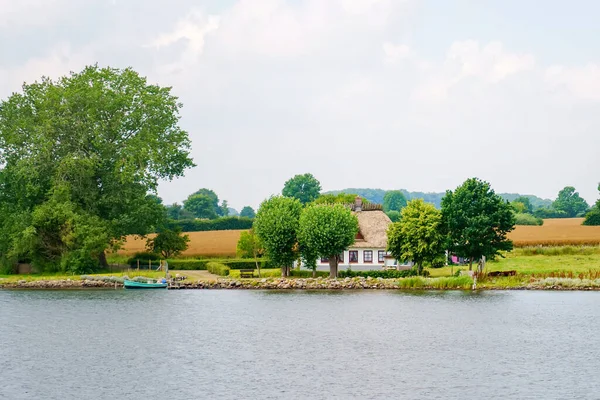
(144, 285)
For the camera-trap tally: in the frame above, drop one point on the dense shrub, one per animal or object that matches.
(143, 257)
(550, 213)
(527, 219)
(219, 224)
(385, 274)
(303, 273)
(217, 268)
(592, 217)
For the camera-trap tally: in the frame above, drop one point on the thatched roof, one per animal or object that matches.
(372, 226)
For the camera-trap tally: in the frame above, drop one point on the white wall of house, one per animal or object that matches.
(362, 263)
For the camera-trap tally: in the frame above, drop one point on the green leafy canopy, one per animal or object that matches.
(95, 143)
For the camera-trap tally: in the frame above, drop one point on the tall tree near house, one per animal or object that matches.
(394, 200)
(90, 147)
(276, 225)
(569, 202)
(418, 235)
(327, 230)
(477, 221)
(305, 188)
(250, 246)
(247, 212)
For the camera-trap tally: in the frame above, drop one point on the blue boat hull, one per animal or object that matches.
(142, 285)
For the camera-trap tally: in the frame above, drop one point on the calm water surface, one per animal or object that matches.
(298, 345)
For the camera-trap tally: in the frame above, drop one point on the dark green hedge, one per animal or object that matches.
(143, 257)
(232, 263)
(385, 274)
(219, 224)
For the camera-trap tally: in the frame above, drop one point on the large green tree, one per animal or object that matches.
(326, 231)
(247, 212)
(168, 243)
(394, 200)
(305, 188)
(90, 147)
(200, 206)
(418, 235)
(477, 220)
(276, 225)
(569, 202)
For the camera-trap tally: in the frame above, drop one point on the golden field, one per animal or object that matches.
(206, 244)
(556, 232)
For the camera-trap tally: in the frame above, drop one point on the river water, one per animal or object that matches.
(117, 344)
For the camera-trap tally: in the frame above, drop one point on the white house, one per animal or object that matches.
(369, 250)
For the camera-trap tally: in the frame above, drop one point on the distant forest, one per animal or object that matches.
(376, 196)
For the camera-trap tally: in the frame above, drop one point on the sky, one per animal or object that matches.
(390, 94)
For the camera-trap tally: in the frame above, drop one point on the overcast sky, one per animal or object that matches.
(414, 94)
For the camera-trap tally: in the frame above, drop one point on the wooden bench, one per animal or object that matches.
(246, 273)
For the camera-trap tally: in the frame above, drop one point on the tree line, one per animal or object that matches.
(304, 225)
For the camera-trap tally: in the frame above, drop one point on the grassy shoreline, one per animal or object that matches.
(537, 268)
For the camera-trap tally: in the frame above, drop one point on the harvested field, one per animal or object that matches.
(556, 232)
(205, 244)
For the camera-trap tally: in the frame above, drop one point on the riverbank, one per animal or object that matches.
(359, 283)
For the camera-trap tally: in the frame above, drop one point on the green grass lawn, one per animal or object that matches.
(538, 264)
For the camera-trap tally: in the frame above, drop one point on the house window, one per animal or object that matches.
(353, 256)
(368, 256)
(381, 256)
(324, 260)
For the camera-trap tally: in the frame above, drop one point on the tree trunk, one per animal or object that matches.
(257, 264)
(333, 266)
(420, 267)
(102, 260)
(285, 271)
(314, 272)
(471, 264)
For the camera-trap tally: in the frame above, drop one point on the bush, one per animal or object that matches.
(527, 219)
(550, 213)
(232, 263)
(217, 268)
(592, 217)
(143, 257)
(385, 274)
(307, 273)
(219, 224)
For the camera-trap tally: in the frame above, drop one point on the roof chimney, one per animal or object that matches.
(357, 204)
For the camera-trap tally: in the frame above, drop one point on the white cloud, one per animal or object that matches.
(489, 64)
(395, 53)
(342, 89)
(56, 62)
(26, 13)
(581, 82)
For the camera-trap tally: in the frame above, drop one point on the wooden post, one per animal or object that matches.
(138, 265)
(149, 265)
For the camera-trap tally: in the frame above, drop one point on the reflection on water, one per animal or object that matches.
(298, 344)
